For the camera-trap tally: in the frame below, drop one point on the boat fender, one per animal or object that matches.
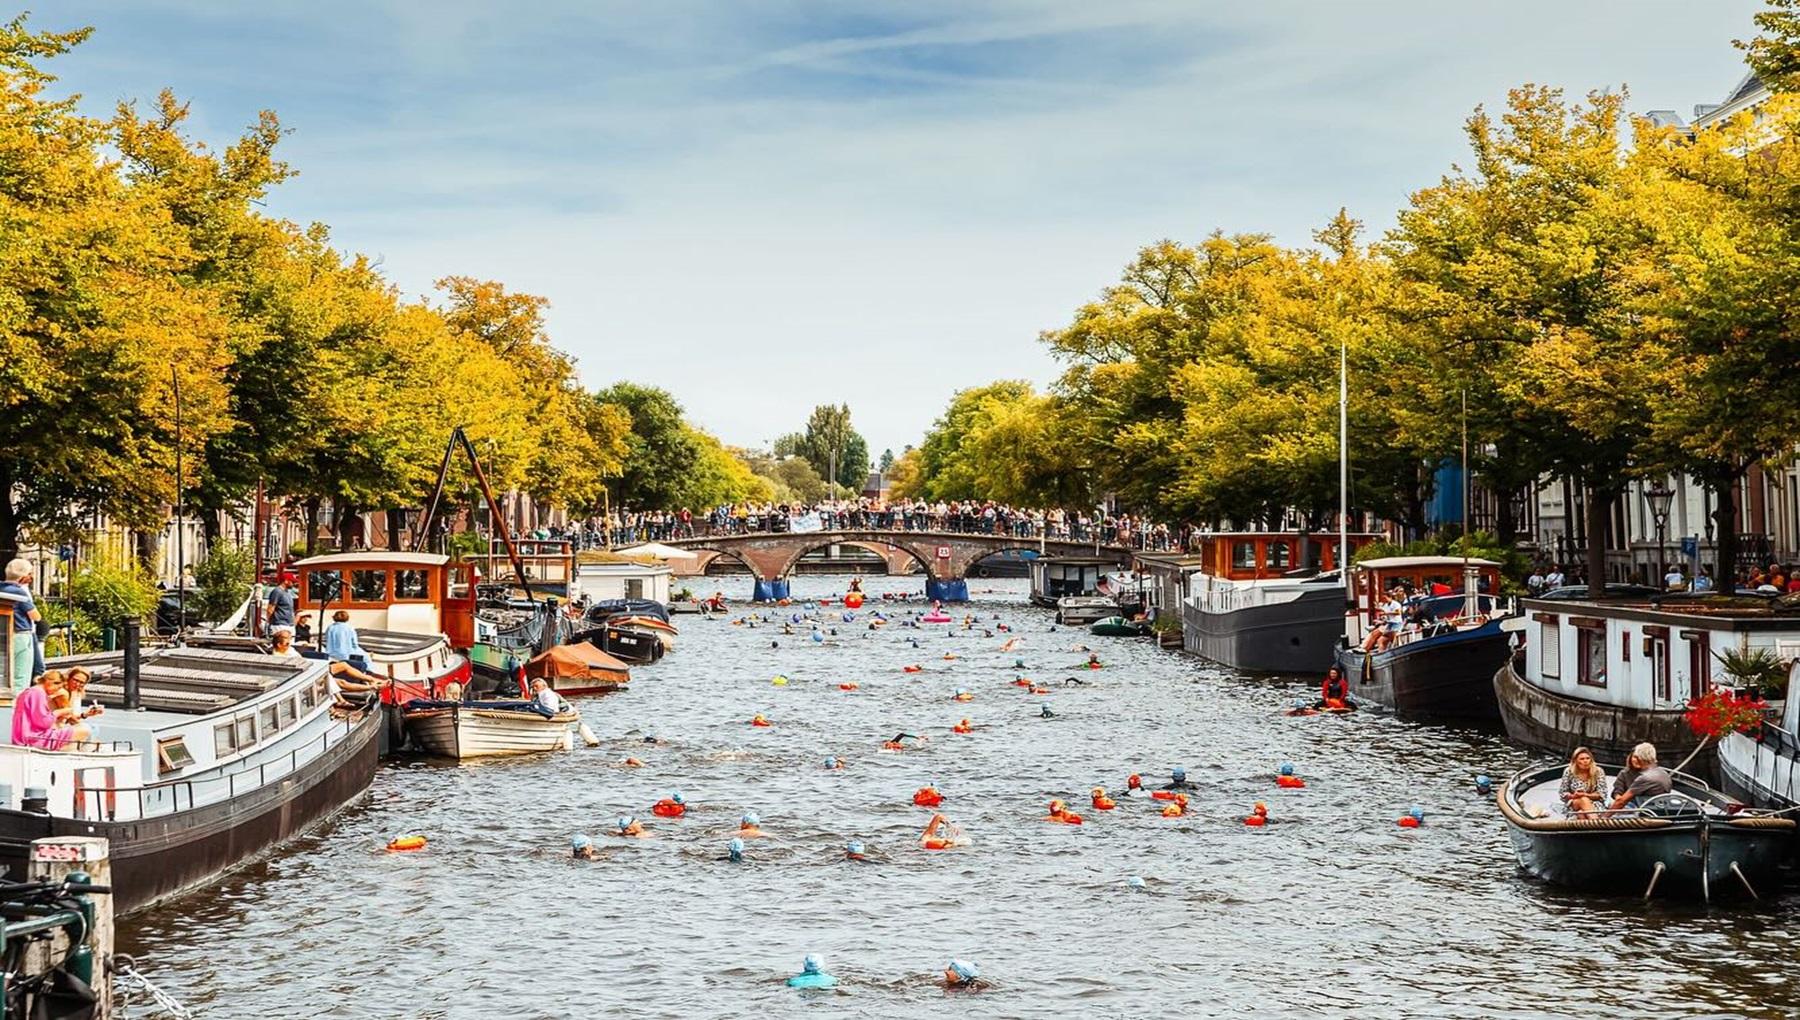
(400, 844)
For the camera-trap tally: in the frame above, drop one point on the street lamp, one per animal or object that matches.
(1657, 498)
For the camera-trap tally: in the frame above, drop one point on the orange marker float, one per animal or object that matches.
(760, 720)
(1290, 782)
(401, 844)
(1102, 802)
(1164, 795)
(1021, 682)
(669, 807)
(927, 796)
(914, 668)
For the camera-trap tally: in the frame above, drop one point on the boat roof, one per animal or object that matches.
(1404, 562)
(178, 683)
(632, 567)
(1288, 534)
(373, 556)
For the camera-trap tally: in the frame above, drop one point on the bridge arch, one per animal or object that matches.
(826, 540)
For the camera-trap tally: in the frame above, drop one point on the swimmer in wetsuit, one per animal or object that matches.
(812, 975)
(581, 848)
(961, 974)
(1178, 780)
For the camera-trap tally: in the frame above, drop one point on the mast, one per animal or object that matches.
(1343, 549)
(1471, 602)
(180, 522)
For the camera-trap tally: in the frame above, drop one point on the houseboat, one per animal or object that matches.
(1764, 767)
(1609, 675)
(414, 613)
(549, 565)
(1054, 578)
(1439, 664)
(203, 760)
(599, 580)
(1267, 602)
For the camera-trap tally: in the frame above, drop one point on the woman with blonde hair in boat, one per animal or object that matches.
(1583, 787)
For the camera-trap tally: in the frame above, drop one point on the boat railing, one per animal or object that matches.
(1490, 607)
(176, 795)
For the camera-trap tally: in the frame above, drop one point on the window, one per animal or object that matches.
(411, 584)
(1590, 656)
(319, 691)
(1243, 555)
(1549, 647)
(224, 740)
(288, 714)
(323, 585)
(307, 699)
(1658, 647)
(459, 582)
(634, 587)
(246, 732)
(368, 586)
(270, 719)
(1699, 661)
(1278, 556)
(172, 754)
(1625, 645)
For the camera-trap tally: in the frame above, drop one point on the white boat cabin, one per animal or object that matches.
(213, 725)
(1246, 569)
(1640, 656)
(1442, 589)
(598, 582)
(549, 565)
(1055, 577)
(398, 592)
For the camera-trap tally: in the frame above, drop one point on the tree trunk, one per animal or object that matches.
(148, 542)
(396, 522)
(9, 516)
(1599, 507)
(209, 527)
(1504, 526)
(312, 522)
(1725, 520)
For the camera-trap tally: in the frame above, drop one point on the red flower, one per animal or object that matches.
(1722, 710)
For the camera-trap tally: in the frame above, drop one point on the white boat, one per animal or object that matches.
(1085, 609)
(1764, 769)
(478, 729)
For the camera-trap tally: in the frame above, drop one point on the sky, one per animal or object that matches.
(763, 205)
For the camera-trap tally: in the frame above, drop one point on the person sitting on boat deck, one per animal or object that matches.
(303, 628)
(1583, 786)
(547, 700)
(1334, 691)
(340, 640)
(75, 682)
(1387, 623)
(1178, 780)
(1641, 778)
(581, 848)
(36, 724)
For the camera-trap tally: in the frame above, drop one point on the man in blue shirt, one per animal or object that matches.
(281, 604)
(22, 645)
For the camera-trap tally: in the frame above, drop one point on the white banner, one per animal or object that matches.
(802, 524)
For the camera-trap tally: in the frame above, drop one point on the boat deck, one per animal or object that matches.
(185, 681)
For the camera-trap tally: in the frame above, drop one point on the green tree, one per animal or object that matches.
(830, 441)
(1774, 53)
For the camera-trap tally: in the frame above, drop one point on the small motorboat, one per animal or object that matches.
(1082, 610)
(1692, 841)
(486, 729)
(1118, 626)
(662, 630)
(632, 645)
(578, 669)
(606, 609)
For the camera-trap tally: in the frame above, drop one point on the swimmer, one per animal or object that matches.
(734, 851)
(748, 825)
(963, 727)
(1101, 801)
(854, 851)
(1045, 713)
(759, 720)
(941, 834)
(961, 974)
(581, 848)
(962, 694)
(1134, 785)
(811, 975)
(1059, 812)
(1021, 682)
(632, 763)
(833, 764)
(1074, 681)
(1176, 807)
(1178, 780)
(629, 828)
(899, 741)
(671, 806)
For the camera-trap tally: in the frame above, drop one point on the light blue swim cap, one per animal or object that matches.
(676, 797)
(854, 846)
(1417, 812)
(965, 969)
(735, 848)
(1483, 782)
(1287, 768)
(831, 763)
(750, 818)
(1135, 882)
(818, 638)
(579, 841)
(811, 964)
(1178, 772)
(624, 822)
(1299, 702)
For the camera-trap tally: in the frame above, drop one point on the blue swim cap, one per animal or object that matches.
(735, 848)
(818, 638)
(1287, 768)
(579, 841)
(1018, 663)
(1178, 772)
(810, 965)
(965, 969)
(624, 822)
(1417, 812)
(1483, 782)
(854, 846)
(831, 763)
(1299, 702)
(750, 818)
(1135, 882)
(676, 797)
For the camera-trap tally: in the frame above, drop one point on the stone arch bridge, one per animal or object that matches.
(946, 556)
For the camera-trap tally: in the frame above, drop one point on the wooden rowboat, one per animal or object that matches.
(1693, 841)
(486, 729)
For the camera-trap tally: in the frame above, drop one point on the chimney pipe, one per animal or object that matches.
(133, 640)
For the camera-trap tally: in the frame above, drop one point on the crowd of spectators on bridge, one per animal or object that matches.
(870, 514)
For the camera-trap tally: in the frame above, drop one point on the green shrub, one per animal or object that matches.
(1758, 667)
(107, 592)
(224, 579)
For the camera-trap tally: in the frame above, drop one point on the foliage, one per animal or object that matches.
(1481, 545)
(109, 592)
(1774, 53)
(223, 579)
(830, 440)
(1760, 668)
(465, 543)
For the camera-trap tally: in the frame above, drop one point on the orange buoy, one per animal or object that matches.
(1256, 820)
(400, 844)
(927, 796)
(1408, 822)
(1172, 811)
(1022, 682)
(847, 687)
(1060, 813)
(668, 808)
(963, 727)
(914, 668)
(854, 600)
(1163, 795)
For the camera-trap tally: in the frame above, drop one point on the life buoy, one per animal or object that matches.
(854, 600)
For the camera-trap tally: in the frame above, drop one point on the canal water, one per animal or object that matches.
(1332, 910)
